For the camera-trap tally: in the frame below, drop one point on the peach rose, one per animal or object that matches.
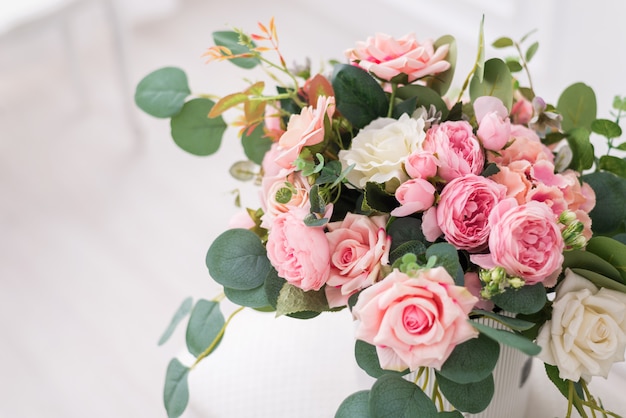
(456, 148)
(298, 252)
(463, 211)
(525, 240)
(304, 130)
(358, 246)
(526, 145)
(414, 321)
(386, 57)
(415, 195)
(283, 192)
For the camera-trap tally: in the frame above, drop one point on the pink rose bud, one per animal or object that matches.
(494, 126)
(421, 165)
(415, 195)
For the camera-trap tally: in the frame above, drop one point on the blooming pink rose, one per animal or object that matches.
(463, 211)
(303, 130)
(386, 57)
(298, 252)
(358, 246)
(526, 241)
(273, 203)
(421, 165)
(414, 321)
(494, 126)
(515, 177)
(456, 148)
(415, 195)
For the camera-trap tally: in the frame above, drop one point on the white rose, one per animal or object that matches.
(587, 332)
(380, 149)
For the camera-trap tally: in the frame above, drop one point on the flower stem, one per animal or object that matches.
(219, 336)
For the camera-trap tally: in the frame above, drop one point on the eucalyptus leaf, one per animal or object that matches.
(407, 106)
(471, 361)
(589, 261)
(425, 96)
(162, 93)
(497, 81)
(441, 82)
(359, 97)
(613, 164)
(577, 105)
(450, 414)
(204, 327)
(502, 42)
(508, 321)
(355, 406)
(256, 144)
(181, 313)
(527, 299)
(194, 132)
(470, 397)
(582, 149)
(230, 40)
(237, 259)
(531, 51)
(606, 128)
(252, 298)
(367, 358)
(447, 257)
(612, 251)
(415, 247)
(609, 213)
(273, 284)
(509, 338)
(514, 66)
(292, 299)
(176, 391)
(394, 397)
(405, 229)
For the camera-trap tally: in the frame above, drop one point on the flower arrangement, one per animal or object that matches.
(419, 210)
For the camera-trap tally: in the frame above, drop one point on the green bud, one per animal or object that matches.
(567, 217)
(516, 282)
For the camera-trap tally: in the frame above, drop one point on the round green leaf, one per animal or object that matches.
(609, 213)
(182, 312)
(162, 93)
(447, 257)
(204, 326)
(502, 42)
(252, 298)
(256, 144)
(425, 96)
(606, 128)
(237, 259)
(613, 164)
(273, 284)
(230, 40)
(582, 149)
(526, 300)
(497, 81)
(470, 397)
(394, 397)
(367, 359)
(471, 361)
(194, 132)
(577, 105)
(355, 406)
(531, 51)
(176, 391)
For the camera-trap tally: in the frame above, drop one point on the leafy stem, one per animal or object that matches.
(217, 338)
(525, 66)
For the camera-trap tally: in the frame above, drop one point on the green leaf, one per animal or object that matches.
(425, 97)
(613, 164)
(471, 361)
(503, 42)
(237, 259)
(587, 260)
(606, 128)
(450, 414)
(415, 247)
(509, 338)
(497, 82)
(619, 103)
(441, 82)
(252, 298)
(403, 230)
(359, 97)
(407, 106)
(600, 280)
(563, 385)
(612, 251)
(526, 300)
(292, 299)
(531, 51)
(470, 397)
(582, 149)
(162, 93)
(273, 284)
(510, 322)
(367, 359)
(204, 326)
(181, 312)
(355, 406)
(514, 66)
(578, 106)
(194, 132)
(394, 397)
(622, 146)
(480, 59)
(256, 144)
(447, 257)
(609, 213)
(176, 391)
(376, 198)
(230, 40)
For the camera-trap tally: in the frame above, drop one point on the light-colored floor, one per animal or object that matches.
(103, 233)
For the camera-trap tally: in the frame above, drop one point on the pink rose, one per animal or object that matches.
(241, 219)
(386, 57)
(358, 246)
(494, 126)
(515, 177)
(415, 195)
(430, 227)
(463, 211)
(269, 165)
(414, 321)
(526, 145)
(421, 165)
(298, 252)
(303, 130)
(283, 192)
(456, 148)
(526, 241)
(522, 111)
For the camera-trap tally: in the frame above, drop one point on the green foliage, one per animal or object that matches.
(613, 164)
(180, 314)
(527, 299)
(609, 214)
(403, 230)
(237, 259)
(509, 338)
(442, 81)
(162, 93)
(355, 406)
(205, 325)
(600, 280)
(471, 361)
(256, 144)
(447, 257)
(194, 132)
(582, 149)
(230, 40)
(367, 359)
(376, 198)
(292, 299)
(424, 96)
(510, 322)
(577, 105)
(606, 128)
(253, 298)
(588, 260)
(470, 397)
(611, 251)
(563, 385)
(497, 81)
(415, 247)
(394, 397)
(531, 51)
(503, 42)
(359, 97)
(176, 391)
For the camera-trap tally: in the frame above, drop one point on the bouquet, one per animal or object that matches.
(419, 208)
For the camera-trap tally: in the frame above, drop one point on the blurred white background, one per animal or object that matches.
(104, 222)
